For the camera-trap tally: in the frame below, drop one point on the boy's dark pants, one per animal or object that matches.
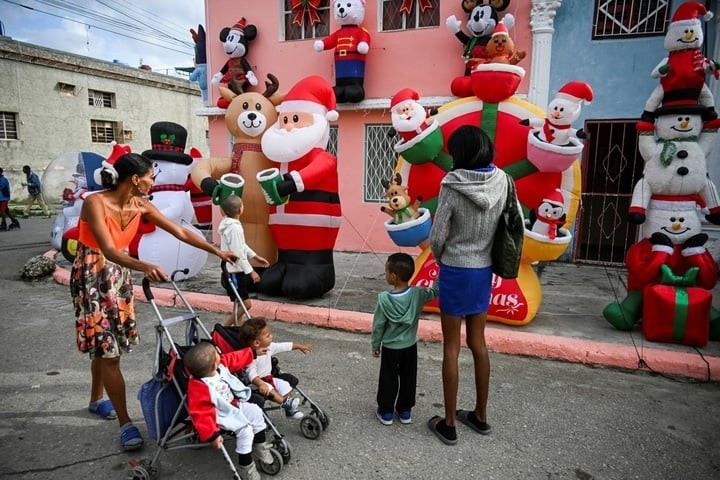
(398, 379)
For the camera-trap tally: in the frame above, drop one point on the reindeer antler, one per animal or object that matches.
(271, 86)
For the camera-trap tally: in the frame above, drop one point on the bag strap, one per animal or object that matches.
(510, 190)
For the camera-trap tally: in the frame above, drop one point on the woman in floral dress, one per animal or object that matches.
(101, 282)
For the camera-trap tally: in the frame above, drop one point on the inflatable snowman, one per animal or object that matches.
(171, 169)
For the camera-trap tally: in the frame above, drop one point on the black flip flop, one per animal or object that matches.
(480, 427)
(433, 426)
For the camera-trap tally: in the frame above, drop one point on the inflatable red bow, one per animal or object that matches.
(305, 7)
(407, 5)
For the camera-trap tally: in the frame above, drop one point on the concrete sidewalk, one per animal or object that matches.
(569, 325)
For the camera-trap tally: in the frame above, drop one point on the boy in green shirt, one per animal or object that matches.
(395, 326)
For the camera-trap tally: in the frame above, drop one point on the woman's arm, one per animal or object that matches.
(441, 224)
(153, 215)
(93, 212)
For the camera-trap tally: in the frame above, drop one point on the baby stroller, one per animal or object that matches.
(227, 339)
(164, 399)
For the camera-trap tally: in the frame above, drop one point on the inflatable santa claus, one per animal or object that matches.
(302, 190)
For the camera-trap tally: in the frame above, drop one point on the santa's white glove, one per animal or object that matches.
(216, 78)
(250, 75)
(453, 24)
(509, 20)
(363, 48)
(319, 46)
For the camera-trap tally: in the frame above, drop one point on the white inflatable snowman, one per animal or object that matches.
(169, 194)
(675, 150)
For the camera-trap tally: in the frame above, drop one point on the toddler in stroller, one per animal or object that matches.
(266, 378)
(217, 400)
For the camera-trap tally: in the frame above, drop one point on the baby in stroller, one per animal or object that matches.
(217, 400)
(256, 334)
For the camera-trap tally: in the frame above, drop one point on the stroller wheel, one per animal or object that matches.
(283, 447)
(276, 465)
(324, 419)
(144, 470)
(310, 427)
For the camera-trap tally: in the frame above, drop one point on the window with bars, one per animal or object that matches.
(633, 18)
(380, 161)
(305, 22)
(612, 165)
(333, 142)
(8, 126)
(103, 131)
(422, 13)
(99, 99)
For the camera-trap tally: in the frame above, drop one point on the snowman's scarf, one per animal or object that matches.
(670, 149)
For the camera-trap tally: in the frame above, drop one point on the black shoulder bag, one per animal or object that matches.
(508, 240)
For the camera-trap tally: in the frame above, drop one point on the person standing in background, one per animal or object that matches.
(4, 209)
(34, 188)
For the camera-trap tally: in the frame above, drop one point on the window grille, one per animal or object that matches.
(630, 18)
(611, 166)
(307, 28)
(102, 131)
(333, 142)
(380, 161)
(100, 99)
(392, 19)
(8, 126)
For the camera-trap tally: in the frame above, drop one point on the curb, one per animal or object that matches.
(548, 347)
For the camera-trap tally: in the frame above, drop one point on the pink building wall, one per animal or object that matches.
(425, 59)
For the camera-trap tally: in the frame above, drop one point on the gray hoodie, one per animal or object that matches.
(469, 207)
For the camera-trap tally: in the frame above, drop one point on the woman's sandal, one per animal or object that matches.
(447, 435)
(469, 418)
(104, 409)
(130, 438)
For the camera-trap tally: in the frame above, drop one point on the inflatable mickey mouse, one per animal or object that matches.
(235, 43)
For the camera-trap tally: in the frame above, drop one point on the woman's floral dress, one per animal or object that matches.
(104, 304)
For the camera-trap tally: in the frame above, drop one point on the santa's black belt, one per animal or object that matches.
(315, 196)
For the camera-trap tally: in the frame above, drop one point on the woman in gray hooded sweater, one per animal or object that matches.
(472, 198)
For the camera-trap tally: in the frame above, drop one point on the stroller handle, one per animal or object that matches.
(223, 267)
(146, 283)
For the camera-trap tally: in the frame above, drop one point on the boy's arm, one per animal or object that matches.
(303, 347)
(238, 359)
(378, 328)
(202, 411)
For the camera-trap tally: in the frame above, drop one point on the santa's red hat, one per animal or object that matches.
(109, 163)
(312, 94)
(240, 25)
(576, 91)
(500, 29)
(402, 96)
(555, 197)
(688, 13)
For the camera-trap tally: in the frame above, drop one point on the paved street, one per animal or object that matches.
(551, 420)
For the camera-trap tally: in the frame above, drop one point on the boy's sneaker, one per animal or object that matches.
(290, 405)
(405, 417)
(385, 418)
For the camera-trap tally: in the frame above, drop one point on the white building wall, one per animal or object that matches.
(50, 124)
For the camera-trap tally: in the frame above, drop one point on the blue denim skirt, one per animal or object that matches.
(464, 291)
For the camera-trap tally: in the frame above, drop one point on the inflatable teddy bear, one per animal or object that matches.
(400, 206)
(248, 116)
(235, 43)
(682, 72)
(351, 43)
(675, 150)
(482, 20)
(171, 167)
(501, 48)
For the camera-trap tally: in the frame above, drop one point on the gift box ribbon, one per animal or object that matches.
(682, 298)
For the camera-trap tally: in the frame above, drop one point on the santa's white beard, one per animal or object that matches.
(282, 146)
(401, 123)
